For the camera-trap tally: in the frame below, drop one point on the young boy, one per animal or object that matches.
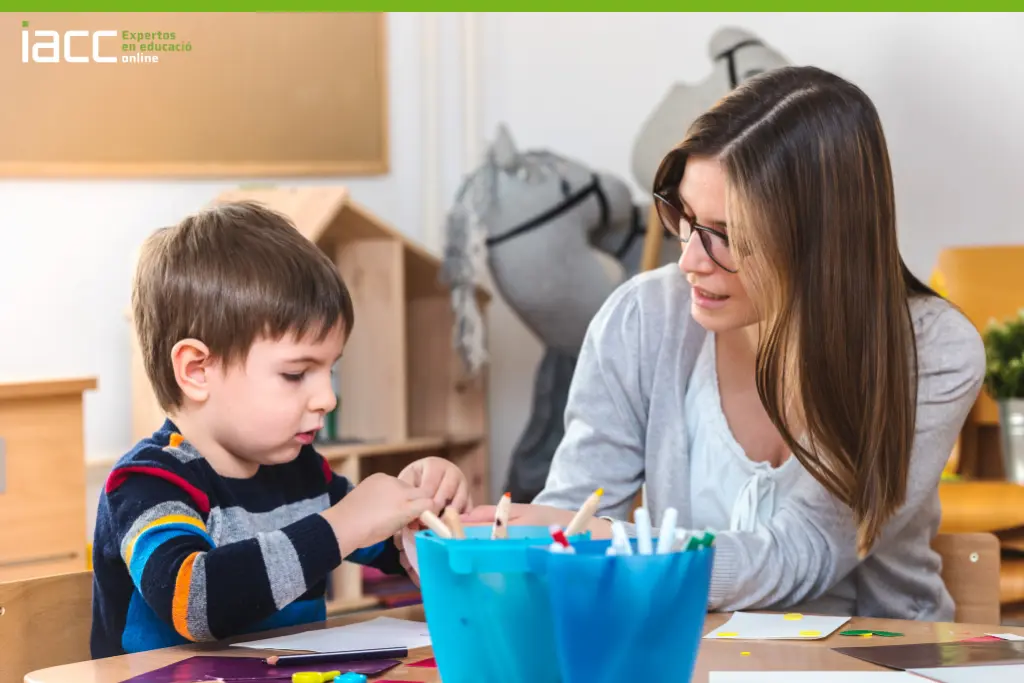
(226, 520)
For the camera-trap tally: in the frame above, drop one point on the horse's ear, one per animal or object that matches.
(503, 149)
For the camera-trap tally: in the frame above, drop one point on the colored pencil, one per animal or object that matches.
(432, 522)
(584, 514)
(343, 656)
(451, 518)
(500, 529)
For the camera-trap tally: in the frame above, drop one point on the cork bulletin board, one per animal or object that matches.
(192, 95)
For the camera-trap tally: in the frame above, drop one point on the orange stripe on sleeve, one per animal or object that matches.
(179, 604)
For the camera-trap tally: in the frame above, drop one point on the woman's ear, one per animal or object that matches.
(192, 363)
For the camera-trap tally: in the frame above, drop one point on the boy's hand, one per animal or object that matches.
(442, 480)
(403, 558)
(376, 509)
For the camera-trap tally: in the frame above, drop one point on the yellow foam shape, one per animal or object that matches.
(793, 617)
(744, 654)
(728, 634)
(866, 635)
(810, 634)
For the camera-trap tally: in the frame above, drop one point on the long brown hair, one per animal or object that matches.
(812, 224)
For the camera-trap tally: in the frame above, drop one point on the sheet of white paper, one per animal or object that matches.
(812, 677)
(376, 633)
(1006, 636)
(747, 626)
(1007, 673)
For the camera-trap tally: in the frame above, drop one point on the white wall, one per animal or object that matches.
(946, 87)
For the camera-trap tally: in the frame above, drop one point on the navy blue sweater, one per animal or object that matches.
(182, 554)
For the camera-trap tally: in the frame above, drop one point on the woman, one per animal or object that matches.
(791, 386)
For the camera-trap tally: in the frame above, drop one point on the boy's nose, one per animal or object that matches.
(323, 401)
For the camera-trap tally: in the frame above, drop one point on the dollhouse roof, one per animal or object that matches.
(329, 216)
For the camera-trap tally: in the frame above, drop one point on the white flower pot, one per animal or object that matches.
(1011, 428)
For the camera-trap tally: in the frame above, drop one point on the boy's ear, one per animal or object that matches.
(192, 361)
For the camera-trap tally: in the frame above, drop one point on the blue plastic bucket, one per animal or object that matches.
(489, 615)
(625, 618)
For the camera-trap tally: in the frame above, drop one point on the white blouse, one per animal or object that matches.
(729, 491)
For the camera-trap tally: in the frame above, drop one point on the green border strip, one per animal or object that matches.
(99, 6)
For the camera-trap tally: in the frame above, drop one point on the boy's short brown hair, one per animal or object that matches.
(227, 276)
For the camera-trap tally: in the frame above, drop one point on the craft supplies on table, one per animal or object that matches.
(533, 604)
(250, 670)
(488, 612)
(748, 626)
(378, 633)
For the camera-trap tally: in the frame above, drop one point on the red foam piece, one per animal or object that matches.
(429, 662)
(982, 639)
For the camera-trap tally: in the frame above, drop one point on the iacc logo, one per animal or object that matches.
(78, 47)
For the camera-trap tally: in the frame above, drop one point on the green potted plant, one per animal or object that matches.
(1004, 382)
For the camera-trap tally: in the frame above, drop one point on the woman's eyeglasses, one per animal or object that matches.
(716, 242)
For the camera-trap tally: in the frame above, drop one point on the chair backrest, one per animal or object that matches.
(985, 283)
(970, 570)
(44, 622)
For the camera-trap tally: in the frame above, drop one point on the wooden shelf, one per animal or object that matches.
(46, 388)
(417, 446)
(42, 477)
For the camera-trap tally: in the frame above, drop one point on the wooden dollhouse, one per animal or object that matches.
(402, 393)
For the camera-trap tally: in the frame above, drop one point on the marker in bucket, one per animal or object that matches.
(586, 512)
(620, 540)
(500, 528)
(643, 531)
(561, 543)
(433, 522)
(667, 531)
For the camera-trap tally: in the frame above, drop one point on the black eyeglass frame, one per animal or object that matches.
(704, 231)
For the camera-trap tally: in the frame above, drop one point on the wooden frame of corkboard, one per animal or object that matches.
(257, 95)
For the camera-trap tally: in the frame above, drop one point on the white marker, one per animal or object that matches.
(643, 531)
(620, 541)
(667, 531)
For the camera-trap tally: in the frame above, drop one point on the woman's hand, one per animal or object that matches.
(523, 514)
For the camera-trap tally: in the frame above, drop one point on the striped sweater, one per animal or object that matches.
(182, 554)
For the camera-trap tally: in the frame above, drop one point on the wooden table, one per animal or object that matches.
(715, 655)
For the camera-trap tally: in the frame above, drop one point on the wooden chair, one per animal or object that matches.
(970, 570)
(44, 621)
(985, 283)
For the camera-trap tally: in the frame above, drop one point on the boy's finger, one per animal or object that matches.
(411, 474)
(417, 507)
(461, 500)
(432, 478)
(447, 489)
(418, 492)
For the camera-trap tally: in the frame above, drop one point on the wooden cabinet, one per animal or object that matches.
(42, 477)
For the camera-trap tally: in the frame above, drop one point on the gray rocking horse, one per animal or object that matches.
(557, 238)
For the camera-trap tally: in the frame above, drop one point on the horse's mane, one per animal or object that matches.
(465, 251)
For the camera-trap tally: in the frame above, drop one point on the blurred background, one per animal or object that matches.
(401, 110)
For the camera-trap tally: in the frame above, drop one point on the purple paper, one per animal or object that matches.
(239, 669)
